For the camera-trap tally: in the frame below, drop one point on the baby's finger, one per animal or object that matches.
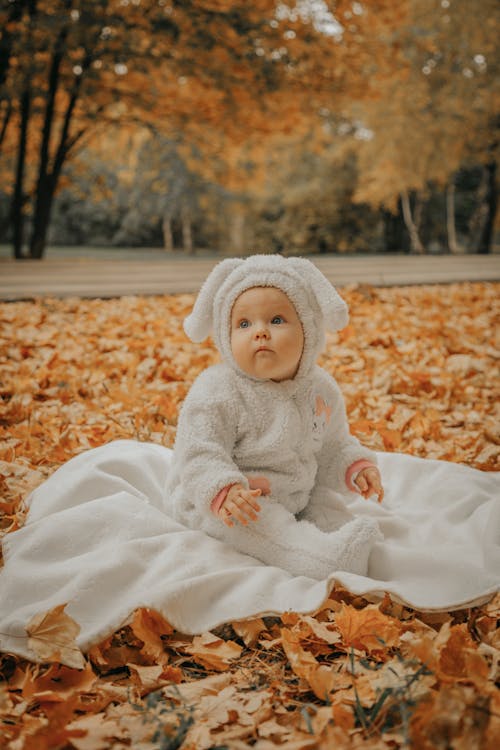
(374, 480)
(362, 484)
(241, 509)
(378, 490)
(248, 506)
(250, 497)
(228, 511)
(237, 513)
(225, 515)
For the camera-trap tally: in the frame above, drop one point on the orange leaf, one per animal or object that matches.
(323, 631)
(343, 717)
(57, 683)
(52, 637)
(392, 438)
(363, 426)
(146, 678)
(346, 333)
(320, 678)
(249, 630)
(212, 652)
(367, 628)
(455, 641)
(493, 730)
(459, 658)
(148, 625)
(55, 732)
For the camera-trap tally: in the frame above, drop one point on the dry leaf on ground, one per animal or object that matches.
(52, 637)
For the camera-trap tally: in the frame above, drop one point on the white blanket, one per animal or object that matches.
(97, 538)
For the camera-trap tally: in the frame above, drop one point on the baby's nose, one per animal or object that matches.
(261, 332)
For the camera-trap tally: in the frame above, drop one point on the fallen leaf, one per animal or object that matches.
(319, 677)
(343, 717)
(57, 683)
(95, 732)
(368, 628)
(149, 626)
(52, 637)
(407, 677)
(493, 729)
(323, 631)
(249, 630)
(213, 652)
(147, 678)
(192, 692)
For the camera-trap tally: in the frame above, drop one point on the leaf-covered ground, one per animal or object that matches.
(419, 370)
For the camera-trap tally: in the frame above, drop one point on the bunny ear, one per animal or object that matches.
(199, 324)
(333, 307)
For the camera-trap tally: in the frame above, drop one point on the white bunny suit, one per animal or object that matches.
(233, 426)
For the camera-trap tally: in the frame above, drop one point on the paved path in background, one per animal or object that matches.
(96, 277)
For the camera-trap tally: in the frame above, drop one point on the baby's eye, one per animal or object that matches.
(243, 324)
(277, 320)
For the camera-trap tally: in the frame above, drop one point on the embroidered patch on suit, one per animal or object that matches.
(321, 419)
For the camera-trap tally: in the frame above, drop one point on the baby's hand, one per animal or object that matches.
(369, 483)
(240, 504)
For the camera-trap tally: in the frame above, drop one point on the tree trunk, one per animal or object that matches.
(5, 120)
(415, 241)
(18, 198)
(168, 237)
(477, 219)
(491, 200)
(418, 210)
(237, 232)
(41, 220)
(394, 231)
(187, 236)
(47, 181)
(453, 245)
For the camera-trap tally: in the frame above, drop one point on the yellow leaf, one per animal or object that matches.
(324, 631)
(319, 677)
(249, 630)
(146, 678)
(212, 652)
(52, 637)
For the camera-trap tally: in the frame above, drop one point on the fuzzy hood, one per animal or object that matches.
(318, 305)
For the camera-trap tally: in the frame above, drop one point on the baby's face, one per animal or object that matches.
(266, 334)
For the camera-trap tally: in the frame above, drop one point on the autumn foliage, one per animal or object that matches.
(417, 368)
(401, 97)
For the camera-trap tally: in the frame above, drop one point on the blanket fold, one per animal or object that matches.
(97, 538)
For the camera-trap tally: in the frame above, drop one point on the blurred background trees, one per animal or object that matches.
(299, 127)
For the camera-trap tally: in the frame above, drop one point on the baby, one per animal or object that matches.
(268, 421)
